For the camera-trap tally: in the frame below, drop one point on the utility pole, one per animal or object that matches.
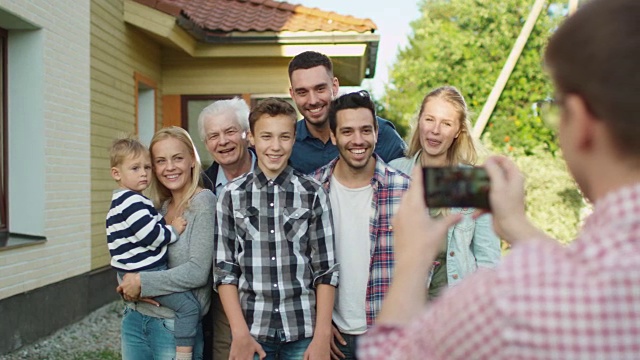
(573, 6)
(487, 110)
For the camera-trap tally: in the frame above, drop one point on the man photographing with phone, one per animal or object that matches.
(544, 301)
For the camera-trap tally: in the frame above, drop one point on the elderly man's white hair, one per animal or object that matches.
(237, 106)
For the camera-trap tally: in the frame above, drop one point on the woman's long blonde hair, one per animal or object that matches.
(158, 192)
(464, 149)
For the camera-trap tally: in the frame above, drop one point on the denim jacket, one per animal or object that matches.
(470, 243)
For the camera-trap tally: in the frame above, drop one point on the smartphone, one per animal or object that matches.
(456, 186)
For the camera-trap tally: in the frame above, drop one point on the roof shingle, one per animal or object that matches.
(259, 15)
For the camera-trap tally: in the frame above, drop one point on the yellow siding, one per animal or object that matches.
(117, 52)
(183, 74)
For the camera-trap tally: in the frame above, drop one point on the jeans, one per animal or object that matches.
(281, 350)
(146, 337)
(187, 315)
(348, 350)
(187, 312)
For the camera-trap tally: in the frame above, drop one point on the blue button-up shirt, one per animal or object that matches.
(310, 153)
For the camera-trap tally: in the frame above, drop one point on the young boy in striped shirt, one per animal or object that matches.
(138, 236)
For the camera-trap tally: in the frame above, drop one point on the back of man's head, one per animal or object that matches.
(595, 54)
(308, 60)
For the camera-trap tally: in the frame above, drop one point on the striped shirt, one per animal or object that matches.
(137, 236)
(544, 301)
(274, 241)
(388, 185)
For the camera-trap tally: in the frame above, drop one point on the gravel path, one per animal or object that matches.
(98, 331)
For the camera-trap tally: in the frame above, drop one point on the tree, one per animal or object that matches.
(465, 43)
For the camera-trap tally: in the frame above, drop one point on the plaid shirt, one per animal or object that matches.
(544, 301)
(388, 187)
(274, 240)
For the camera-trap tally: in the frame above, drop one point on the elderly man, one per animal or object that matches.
(223, 128)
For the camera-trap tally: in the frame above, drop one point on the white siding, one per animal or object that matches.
(59, 148)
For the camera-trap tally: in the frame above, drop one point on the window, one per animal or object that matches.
(22, 134)
(3, 131)
(145, 108)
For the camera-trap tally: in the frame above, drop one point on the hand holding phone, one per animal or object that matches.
(456, 186)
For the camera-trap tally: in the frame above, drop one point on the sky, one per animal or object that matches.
(391, 17)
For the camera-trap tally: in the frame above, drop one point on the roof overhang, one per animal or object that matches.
(352, 52)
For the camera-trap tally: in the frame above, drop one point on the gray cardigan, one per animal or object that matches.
(190, 260)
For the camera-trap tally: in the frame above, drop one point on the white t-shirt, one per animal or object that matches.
(351, 209)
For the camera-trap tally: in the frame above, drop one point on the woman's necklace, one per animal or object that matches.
(172, 212)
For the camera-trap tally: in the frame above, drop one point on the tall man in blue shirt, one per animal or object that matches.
(313, 86)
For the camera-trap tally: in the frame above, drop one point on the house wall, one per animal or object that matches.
(48, 108)
(118, 52)
(48, 112)
(185, 75)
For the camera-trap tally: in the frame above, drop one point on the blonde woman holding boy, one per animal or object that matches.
(138, 236)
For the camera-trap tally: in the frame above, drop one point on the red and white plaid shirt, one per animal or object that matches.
(543, 302)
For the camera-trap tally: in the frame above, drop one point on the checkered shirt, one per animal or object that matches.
(544, 302)
(274, 240)
(388, 186)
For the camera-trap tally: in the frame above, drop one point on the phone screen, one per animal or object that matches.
(456, 186)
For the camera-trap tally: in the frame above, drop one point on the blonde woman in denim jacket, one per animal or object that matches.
(442, 138)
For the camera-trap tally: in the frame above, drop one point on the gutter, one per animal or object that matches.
(219, 37)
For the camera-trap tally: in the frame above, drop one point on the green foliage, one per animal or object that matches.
(382, 111)
(553, 200)
(465, 43)
(95, 355)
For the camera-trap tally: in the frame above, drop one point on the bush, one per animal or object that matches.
(554, 202)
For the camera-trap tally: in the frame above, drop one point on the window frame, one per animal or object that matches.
(147, 81)
(4, 186)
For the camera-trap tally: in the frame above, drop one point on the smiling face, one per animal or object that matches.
(439, 126)
(173, 164)
(312, 90)
(273, 138)
(355, 137)
(133, 173)
(225, 139)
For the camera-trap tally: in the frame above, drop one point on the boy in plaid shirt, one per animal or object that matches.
(274, 268)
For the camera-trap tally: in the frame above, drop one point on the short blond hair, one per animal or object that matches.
(125, 147)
